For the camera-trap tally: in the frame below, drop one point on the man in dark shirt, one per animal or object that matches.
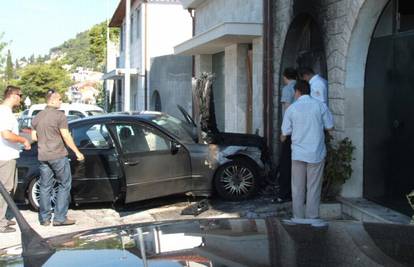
(51, 131)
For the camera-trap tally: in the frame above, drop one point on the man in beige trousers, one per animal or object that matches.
(306, 120)
(9, 150)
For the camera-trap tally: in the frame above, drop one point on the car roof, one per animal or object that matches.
(119, 116)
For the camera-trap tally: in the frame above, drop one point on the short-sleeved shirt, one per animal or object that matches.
(288, 94)
(8, 150)
(47, 125)
(319, 88)
(306, 120)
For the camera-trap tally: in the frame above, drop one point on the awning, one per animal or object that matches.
(219, 37)
(191, 3)
(118, 74)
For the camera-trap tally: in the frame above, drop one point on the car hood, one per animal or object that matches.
(230, 242)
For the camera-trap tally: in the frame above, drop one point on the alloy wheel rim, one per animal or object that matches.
(237, 180)
(36, 193)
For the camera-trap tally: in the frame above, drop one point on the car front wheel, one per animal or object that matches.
(33, 194)
(236, 180)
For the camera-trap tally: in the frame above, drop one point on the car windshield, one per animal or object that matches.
(174, 126)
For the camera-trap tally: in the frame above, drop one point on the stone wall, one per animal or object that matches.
(346, 25)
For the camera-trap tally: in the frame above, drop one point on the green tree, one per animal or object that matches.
(36, 79)
(9, 72)
(2, 46)
(31, 59)
(97, 42)
(2, 59)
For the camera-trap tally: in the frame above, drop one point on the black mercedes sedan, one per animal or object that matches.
(142, 155)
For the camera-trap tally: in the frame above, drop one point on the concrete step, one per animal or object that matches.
(368, 211)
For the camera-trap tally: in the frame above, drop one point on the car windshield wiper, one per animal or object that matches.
(34, 246)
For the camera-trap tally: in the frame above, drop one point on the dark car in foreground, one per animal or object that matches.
(137, 156)
(227, 242)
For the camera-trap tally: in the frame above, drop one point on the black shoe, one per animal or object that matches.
(64, 223)
(45, 223)
(7, 229)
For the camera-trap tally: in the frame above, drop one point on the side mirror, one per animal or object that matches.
(175, 147)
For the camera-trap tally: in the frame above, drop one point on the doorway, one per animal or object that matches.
(388, 105)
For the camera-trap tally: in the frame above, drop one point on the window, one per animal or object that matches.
(94, 112)
(398, 16)
(76, 113)
(134, 138)
(138, 24)
(131, 30)
(386, 23)
(121, 39)
(174, 126)
(92, 136)
(405, 15)
(35, 112)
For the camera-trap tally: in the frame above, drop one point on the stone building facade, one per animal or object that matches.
(362, 47)
(337, 36)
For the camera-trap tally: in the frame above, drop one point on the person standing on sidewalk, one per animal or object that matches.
(9, 150)
(285, 162)
(306, 120)
(51, 131)
(318, 85)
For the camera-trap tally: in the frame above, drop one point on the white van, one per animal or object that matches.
(79, 110)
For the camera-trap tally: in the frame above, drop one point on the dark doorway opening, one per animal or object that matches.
(388, 107)
(304, 47)
(156, 101)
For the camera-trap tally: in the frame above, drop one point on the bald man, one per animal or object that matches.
(51, 131)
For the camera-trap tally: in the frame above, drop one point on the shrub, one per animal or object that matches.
(338, 167)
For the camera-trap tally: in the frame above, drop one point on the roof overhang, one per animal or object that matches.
(119, 15)
(119, 74)
(191, 3)
(219, 37)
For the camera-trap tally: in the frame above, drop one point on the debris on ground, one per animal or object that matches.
(196, 208)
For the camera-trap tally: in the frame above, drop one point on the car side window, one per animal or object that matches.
(91, 136)
(35, 112)
(135, 138)
(76, 113)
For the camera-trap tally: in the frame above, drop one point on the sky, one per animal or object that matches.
(35, 26)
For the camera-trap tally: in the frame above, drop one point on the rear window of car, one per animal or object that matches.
(94, 112)
(35, 112)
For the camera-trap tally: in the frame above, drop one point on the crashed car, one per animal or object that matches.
(142, 155)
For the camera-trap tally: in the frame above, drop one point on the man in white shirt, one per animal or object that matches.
(9, 150)
(318, 85)
(305, 121)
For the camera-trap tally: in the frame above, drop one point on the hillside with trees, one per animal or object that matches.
(36, 73)
(87, 49)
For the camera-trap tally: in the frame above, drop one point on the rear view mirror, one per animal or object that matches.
(175, 147)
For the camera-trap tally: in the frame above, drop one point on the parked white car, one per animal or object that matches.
(72, 112)
(79, 110)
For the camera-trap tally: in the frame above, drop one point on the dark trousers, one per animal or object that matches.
(285, 168)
